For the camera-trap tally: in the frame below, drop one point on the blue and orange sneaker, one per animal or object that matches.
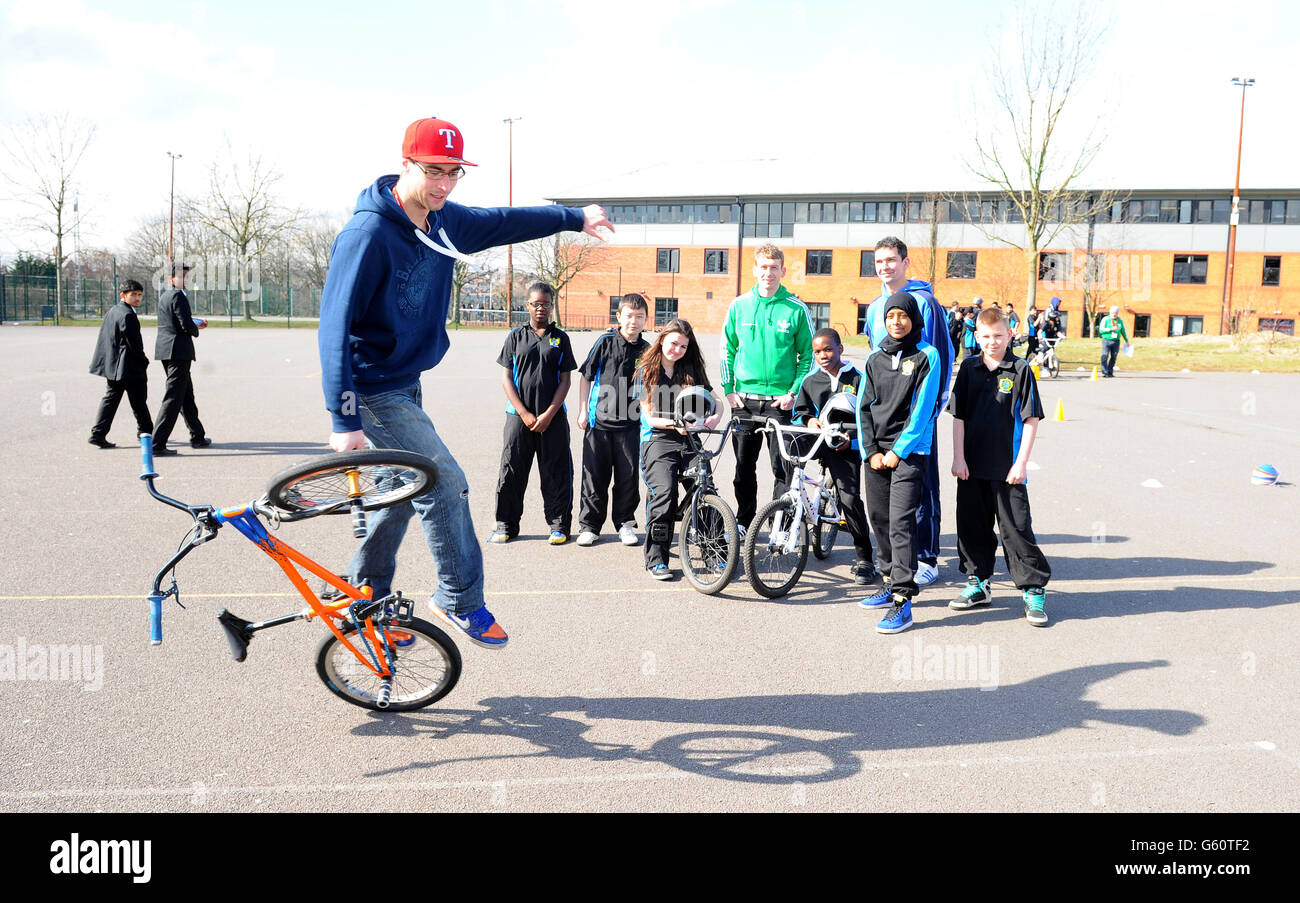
(478, 626)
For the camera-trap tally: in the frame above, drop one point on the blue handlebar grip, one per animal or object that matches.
(155, 620)
(146, 453)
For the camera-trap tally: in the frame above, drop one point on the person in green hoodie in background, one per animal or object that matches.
(766, 352)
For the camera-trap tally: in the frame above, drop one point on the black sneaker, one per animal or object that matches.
(973, 595)
(164, 451)
(101, 443)
(200, 443)
(863, 573)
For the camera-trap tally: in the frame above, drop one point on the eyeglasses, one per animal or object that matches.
(539, 305)
(432, 172)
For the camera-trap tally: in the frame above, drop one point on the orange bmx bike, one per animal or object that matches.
(377, 654)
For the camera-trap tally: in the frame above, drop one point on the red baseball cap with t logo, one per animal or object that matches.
(434, 141)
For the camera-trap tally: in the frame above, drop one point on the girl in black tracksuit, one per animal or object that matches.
(902, 380)
(673, 362)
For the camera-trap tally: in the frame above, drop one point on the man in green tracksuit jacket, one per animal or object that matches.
(1111, 329)
(766, 352)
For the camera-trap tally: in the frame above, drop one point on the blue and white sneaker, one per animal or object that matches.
(880, 598)
(558, 538)
(898, 618)
(478, 626)
(661, 572)
(926, 574)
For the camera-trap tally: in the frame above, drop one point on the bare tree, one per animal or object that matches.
(559, 258)
(242, 208)
(312, 242)
(44, 152)
(1022, 147)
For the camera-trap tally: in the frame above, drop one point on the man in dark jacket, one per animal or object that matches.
(177, 329)
(119, 358)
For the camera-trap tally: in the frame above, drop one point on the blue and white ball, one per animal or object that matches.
(1264, 475)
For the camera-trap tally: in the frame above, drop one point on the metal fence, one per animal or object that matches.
(32, 298)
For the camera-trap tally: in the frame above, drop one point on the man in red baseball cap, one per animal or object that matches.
(384, 322)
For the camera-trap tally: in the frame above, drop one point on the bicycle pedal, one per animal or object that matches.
(403, 609)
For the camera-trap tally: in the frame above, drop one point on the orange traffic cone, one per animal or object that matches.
(1060, 411)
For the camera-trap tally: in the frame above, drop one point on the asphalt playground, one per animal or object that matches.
(1166, 681)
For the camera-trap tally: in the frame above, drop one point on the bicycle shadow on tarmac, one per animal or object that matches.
(753, 739)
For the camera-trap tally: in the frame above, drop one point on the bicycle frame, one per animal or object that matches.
(371, 618)
(806, 507)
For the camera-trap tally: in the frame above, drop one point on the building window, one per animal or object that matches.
(1278, 324)
(867, 266)
(615, 302)
(668, 259)
(1181, 325)
(961, 264)
(1053, 266)
(819, 263)
(1141, 326)
(771, 220)
(1190, 269)
(820, 314)
(665, 310)
(862, 318)
(1272, 271)
(715, 260)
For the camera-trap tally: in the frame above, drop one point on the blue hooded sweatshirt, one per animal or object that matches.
(383, 316)
(934, 331)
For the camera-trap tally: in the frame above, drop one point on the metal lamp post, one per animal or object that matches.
(171, 216)
(510, 202)
(1236, 211)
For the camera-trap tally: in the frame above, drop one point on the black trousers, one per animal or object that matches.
(178, 400)
(607, 453)
(978, 503)
(892, 500)
(137, 391)
(555, 472)
(663, 459)
(845, 468)
(928, 514)
(747, 446)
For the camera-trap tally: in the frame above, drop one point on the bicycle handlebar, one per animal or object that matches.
(783, 430)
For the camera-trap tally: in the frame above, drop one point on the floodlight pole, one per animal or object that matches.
(171, 215)
(1236, 211)
(510, 202)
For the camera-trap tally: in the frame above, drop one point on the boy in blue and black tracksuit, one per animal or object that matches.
(891, 266)
(610, 420)
(834, 375)
(896, 417)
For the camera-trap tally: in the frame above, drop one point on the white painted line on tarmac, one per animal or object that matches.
(1210, 581)
(370, 787)
(1194, 413)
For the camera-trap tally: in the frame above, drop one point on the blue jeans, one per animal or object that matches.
(1109, 352)
(397, 420)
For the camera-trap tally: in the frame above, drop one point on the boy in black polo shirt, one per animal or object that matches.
(609, 416)
(538, 360)
(996, 410)
(834, 375)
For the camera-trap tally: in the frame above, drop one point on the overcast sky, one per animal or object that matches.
(865, 97)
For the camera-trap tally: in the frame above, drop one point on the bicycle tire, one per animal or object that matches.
(424, 671)
(1053, 366)
(824, 533)
(702, 545)
(773, 572)
(388, 476)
